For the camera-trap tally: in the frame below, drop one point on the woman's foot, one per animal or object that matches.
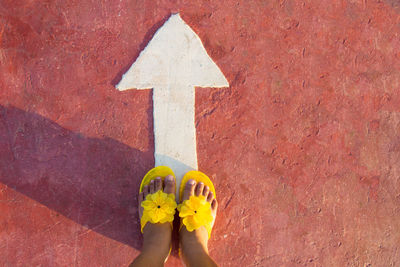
(157, 237)
(194, 243)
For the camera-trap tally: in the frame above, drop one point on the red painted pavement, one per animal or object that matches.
(303, 147)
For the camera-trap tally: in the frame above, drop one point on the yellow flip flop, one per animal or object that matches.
(196, 211)
(158, 207)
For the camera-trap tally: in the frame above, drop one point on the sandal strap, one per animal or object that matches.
(158, 207)
(196, 212)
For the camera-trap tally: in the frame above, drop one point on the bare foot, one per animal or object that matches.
(157, 237)
(193, 242)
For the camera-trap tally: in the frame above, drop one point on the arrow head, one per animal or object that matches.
(175, 56)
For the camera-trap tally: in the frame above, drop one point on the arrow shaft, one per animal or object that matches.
(174, 128)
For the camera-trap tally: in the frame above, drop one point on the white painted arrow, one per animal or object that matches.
(173, 63)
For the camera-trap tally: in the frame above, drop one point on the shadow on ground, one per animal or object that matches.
(92, 181)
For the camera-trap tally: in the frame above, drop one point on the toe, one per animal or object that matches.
(145, 191)
(152, 186)
(169, 187)
(214, 204)
(157, 184)
(210, 196)
(140, 200)
(189, 189)
(205, 191)
(199, 188)
(140, 197)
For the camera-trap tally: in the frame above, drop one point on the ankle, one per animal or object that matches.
(193, 248)
(157, 240)
(195, 241)
(155, 248)
(195, 253)
(147, 259)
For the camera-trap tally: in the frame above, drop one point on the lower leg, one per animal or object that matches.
(194, 251)
(194, 245)
(156, 237)
(146, 260)
(156, 243)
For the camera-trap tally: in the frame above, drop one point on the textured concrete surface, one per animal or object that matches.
(303, 147)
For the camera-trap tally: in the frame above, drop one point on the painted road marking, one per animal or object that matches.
(173, 63)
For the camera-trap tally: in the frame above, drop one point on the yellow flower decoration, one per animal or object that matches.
(158, 208)
(196, 212)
